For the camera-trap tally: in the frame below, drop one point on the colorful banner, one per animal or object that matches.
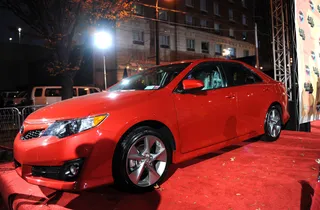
(307, 19)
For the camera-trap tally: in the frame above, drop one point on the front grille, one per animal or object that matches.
(51, 172)
(58, 172)
(31, 134)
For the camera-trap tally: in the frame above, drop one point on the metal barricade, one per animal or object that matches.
(10, 123)
(11, 119)
(26, 111)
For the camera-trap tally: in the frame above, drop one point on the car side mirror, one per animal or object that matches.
(192, 84)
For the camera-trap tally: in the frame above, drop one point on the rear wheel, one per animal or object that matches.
(141, 160)
(273, 124)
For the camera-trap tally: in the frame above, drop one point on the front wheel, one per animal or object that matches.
(273, 124)
(141, 160)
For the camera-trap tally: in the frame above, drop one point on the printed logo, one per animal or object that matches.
(307, 70)
(301, 16)
(313, 55)
(311, 6)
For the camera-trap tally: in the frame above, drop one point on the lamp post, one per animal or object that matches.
(19, 30)
(103, 41)
(157, 34)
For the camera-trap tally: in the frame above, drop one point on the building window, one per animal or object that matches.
(245, 53)
(189, 20)
(218, 49)
(138, 37)
(233, 52)
(191, 44)
(231, 14)
(164, 41)
(216, 8)
(244, 35)
(203, 5)
(205, 47)
(204, 23)
(216, 27)
(190, 3)
(231, 32)
(163, 15)
(138, 9)
(244, 20)
(244, 3)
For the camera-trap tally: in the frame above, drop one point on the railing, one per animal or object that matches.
(11, 120)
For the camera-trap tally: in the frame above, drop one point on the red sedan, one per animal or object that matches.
(133, 132)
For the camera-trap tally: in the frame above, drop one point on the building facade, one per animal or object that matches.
(188, 29)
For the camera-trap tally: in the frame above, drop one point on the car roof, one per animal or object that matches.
(203, 60)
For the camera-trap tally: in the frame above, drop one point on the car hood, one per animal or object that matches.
(79, 107)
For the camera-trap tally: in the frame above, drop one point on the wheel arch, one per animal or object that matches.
(158, 126)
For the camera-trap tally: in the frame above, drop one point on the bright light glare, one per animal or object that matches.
(226, 52)
(10, 39)
(102, 40)
(125, 82)
(19, 29)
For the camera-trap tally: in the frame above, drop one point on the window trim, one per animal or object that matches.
(218, 63)
(244, 67)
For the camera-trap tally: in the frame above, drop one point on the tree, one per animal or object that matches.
(56, 21)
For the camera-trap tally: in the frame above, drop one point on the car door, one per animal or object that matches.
(206, 116)
(251, 92)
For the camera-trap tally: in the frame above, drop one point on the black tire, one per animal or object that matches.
(120, 167)
(268, 136)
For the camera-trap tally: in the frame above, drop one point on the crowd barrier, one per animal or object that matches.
(11, 119)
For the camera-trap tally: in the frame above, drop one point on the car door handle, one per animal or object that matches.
(265, 89)
(230, 96)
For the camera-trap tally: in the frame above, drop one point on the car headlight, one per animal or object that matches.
(66, 128)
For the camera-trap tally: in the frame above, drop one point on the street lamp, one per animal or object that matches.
(103, 41)
(19, 29)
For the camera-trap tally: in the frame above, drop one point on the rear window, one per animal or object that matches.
(38, 92)
(82, 91)
(53, 92)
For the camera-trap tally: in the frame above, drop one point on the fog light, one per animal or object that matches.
(74, 169)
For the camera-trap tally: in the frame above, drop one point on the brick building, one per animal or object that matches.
(188, 29)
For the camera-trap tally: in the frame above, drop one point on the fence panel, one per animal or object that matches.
(10, 123)
(28, 110)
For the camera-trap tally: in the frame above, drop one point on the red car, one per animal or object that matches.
(133, 132)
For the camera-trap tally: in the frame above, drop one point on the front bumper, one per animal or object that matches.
(94, 147)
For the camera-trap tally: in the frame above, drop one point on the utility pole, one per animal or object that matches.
(257, 45)
(157, 34)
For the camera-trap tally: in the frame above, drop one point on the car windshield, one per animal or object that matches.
(151, 79)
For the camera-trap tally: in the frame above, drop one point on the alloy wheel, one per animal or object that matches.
(146, 161)
(274, 123)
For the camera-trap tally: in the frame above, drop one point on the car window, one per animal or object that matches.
(74, 92)
(238, 74)
(210, 74)
(53, 92)
(82, 91)
(38, 92)
(93, 90)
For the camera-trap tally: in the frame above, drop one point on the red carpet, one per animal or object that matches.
(253, 175)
